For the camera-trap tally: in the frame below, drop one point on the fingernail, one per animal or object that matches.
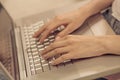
(33, 35)
(52, 63)
(44, 57)
(40, 41)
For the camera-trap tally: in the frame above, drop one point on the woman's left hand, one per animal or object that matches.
(75, 47)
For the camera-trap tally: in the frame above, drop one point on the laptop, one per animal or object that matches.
(22, 52)
(4, 74)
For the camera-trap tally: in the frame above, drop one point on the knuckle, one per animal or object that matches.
(52, 46)
(55, 51)
(57, 18)
(63, 57)
(61, 34)
(70, 41)
(48, 29)
(69, 28)
(69, 37)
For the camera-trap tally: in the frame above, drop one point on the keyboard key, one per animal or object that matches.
(30, 36)
(35, 53)
(37, 39)
(45, 67)
(62, 27)
(26, 37)
(36, 27)
(38, 70)
(46, 40)
(27, 43)
(40, 23)
(37, 65)
(31, 61)
(51, 37)
(44, 62)
(35, 57)
(46, 43)
(40, 46)
(30, 57)
(28, 46)
(33, 46)
(30, 33)
(32, 42)
(33, 39)
(28, 50)
(35, 60)
(38, 43)
(34, 49)
(27, 40)
(25, 33)
(32, 72)
(29, 54)
(45, 47)
(41, 49)
(51, 40)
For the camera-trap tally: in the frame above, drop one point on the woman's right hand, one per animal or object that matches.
(71, 21)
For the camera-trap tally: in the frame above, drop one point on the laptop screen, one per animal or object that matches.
(6, 47)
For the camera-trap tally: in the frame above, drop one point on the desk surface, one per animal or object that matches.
(92, 69)
(21, 8)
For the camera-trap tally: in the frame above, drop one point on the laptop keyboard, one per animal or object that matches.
(33, 48)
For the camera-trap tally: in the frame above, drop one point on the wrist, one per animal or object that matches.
(87, 10)
(111, 44)
(81, 15)
(84, 12)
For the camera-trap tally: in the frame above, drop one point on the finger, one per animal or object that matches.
(50, 28)
(61, 59)
(64, 38)
(54, 46)
(40, 30)
(56, 51)
(66, 31)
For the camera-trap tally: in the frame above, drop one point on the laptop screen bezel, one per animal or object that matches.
(13, 42)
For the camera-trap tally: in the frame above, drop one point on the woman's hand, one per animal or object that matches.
(75, 47)
(71, 21)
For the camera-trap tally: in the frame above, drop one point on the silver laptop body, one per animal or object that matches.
(31, 64)
(28, 63)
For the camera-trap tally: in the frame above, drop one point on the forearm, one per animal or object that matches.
(94, 7)
(112, 44)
